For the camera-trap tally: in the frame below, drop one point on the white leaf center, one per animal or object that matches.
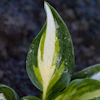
(2, 96)
(96, 76)
(46, 68)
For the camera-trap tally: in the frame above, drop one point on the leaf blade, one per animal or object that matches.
(30, 98)
(80, 89)
(66, 53)
(92, 72)
(32, 61)
(53, 51)
(6, 93)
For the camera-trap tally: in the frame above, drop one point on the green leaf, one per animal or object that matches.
(6, 93)
(98, 98)
(30, 98)
(92, 72)
(50, 59)
(80, 89)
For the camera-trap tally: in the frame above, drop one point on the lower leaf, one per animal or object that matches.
(80, 89)
(95, 98)
(92, 72)
(6, 93)
(30, 98)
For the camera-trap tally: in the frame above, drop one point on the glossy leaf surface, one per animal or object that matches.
(80, 89)
(50, 59)
(6, 93)
(92, 72)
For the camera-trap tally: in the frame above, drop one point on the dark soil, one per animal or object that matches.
(21, 21)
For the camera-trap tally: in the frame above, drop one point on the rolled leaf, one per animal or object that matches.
(80, 89)
(92, 72)
(30, 98)
(50, 59)
(6, 93)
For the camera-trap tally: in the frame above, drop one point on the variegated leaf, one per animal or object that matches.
(50, 59)
(6, 93)
(80, 89)
(92, 72)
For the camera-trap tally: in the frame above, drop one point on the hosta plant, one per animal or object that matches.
(50, 63)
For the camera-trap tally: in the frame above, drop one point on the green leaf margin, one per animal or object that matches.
(87, 72)
(8, 92)
(30, 98)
